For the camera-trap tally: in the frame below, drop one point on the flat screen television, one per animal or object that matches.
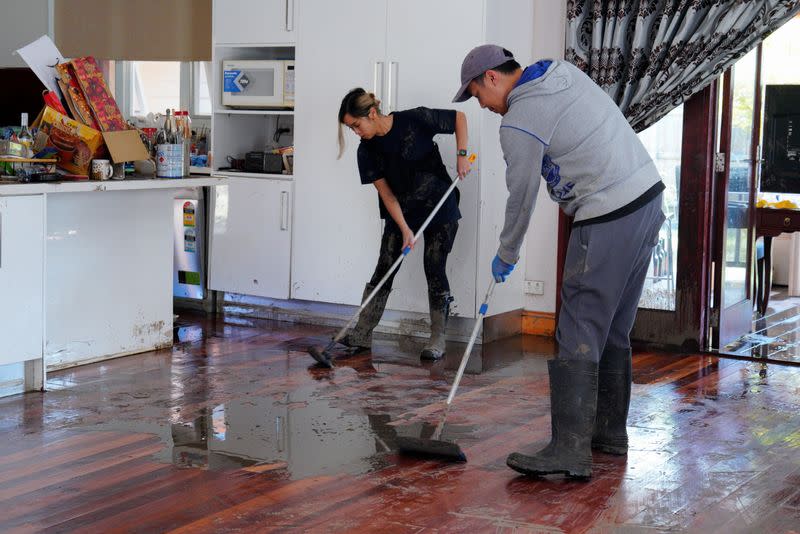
(781, 146)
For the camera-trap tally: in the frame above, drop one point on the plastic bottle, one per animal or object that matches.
(188, 131)
(178, 117)
(185, 129)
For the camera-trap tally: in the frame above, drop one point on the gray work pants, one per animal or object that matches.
(604, 273)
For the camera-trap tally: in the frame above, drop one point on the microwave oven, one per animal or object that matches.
(258, 83)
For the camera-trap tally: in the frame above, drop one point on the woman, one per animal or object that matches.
(398, 156)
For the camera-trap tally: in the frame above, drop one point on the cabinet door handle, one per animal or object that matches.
(377, 80)
(284, 210)
(393, 74)
(289, 15)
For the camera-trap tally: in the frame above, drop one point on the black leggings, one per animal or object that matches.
(438, 244)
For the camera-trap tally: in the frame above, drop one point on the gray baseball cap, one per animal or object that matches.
(479, 60)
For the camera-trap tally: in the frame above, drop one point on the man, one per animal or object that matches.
(558, 124)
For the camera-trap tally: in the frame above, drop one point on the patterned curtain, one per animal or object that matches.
(651, 55)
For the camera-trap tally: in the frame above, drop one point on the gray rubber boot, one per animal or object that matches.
(573, 403)
(439, 304)
(360, 337)
(613, 399)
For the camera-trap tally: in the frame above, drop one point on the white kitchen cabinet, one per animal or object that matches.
(423, 74)
(389, 57)
(254, 21)
(409, 53)
(251, 237)
(71, 254)
(21, 278)
(337, 229)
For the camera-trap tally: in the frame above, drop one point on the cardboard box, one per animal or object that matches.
(125, 145)
(76, 143)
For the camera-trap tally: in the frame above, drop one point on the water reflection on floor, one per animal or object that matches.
(316, 425)
(299, 434)
(303, 437)
(774, 336)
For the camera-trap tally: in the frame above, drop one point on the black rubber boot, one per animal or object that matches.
(360, 337)
(613, 399)
(573, 402)
(440, 310)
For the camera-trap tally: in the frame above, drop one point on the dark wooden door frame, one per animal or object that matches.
(730, 321)
(684, 329)
(755, 174)
(722, 328)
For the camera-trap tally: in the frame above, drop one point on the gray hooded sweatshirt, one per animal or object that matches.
(561, 126)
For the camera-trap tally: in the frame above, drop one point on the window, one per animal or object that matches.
(145, 87)
(202, 93)
(663, 141)
(781, 51)
(154, 86)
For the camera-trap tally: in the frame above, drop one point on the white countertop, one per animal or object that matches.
(128, 184)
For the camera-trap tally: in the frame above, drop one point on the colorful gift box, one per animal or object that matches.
(76, 144)
(104, 108)
(73, 94)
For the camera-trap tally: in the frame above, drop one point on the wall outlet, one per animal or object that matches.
(534, 287)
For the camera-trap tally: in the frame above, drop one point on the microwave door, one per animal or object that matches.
(254, 86)
(260, 90)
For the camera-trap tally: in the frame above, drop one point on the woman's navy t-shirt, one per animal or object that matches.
(410, 162)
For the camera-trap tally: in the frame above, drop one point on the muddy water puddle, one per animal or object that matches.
(297, 435)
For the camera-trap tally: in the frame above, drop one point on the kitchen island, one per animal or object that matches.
(86, 270)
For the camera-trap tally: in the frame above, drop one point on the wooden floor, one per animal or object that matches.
(233, 430)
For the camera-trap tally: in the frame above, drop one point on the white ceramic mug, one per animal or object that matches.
(101, 169)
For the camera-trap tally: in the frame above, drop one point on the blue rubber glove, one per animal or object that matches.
(500, 269)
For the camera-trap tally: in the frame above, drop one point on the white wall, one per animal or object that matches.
(512, 28)
(782, 247)
(549, 20)
(22, 21)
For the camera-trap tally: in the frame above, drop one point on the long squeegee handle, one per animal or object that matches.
(436, 208)
(397, 262)
(464, 359)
